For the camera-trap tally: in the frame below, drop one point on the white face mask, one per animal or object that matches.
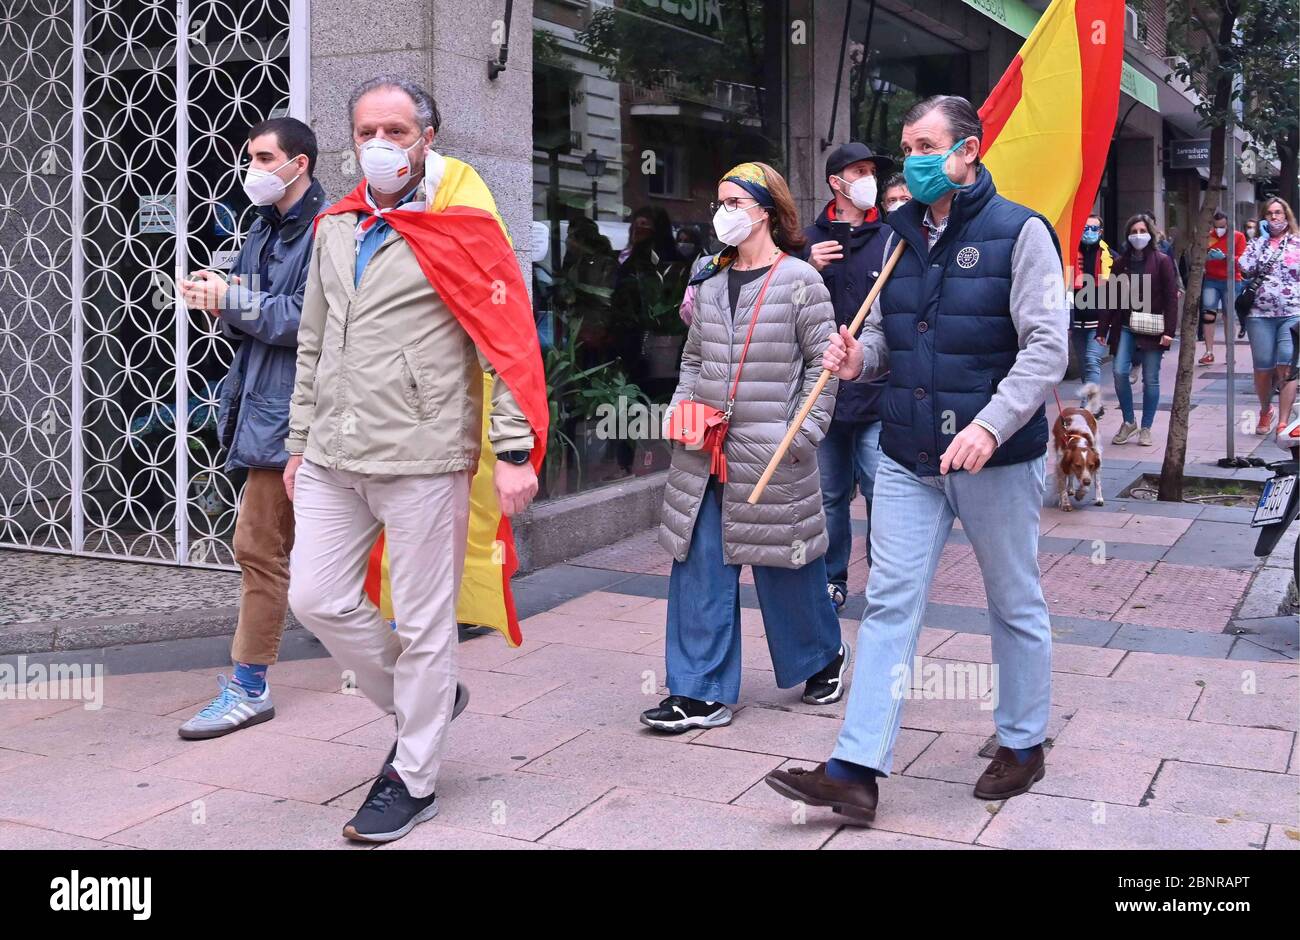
(1220, 231)
(732, 228)
(387, 165)
(895, 205)
(861, 192)
(1139, 240)
(265, 188)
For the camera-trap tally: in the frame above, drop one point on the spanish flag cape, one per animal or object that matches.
(1049, 120)
(461, 245)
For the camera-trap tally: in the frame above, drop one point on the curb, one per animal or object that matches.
(50, 636)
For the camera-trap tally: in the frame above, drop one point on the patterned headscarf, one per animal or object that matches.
(751, 178)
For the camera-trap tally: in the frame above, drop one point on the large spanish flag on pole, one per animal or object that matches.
(1048, 123)
(461, 244)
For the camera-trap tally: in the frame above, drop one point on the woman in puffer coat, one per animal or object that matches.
(708, 524)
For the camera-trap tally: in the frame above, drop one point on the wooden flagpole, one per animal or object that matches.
(825, 376)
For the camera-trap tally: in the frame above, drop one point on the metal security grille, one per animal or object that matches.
(122, 126)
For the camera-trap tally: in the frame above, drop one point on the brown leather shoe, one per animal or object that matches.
(1006, 777)
(856, 802)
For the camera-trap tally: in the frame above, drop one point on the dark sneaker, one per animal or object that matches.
(1006, 777)
(856, 802)
(389, 811)
(837, 596)
(677, 713)
(462, 699)
(827, 686)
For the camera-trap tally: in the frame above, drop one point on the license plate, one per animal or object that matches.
(1273, 501)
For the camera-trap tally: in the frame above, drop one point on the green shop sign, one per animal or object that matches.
(1020, 18)
(698, 17)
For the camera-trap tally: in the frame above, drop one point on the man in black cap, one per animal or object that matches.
(851, 449)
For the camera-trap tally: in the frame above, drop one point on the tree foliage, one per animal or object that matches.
(1232, 52)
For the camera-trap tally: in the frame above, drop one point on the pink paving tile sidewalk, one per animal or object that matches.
(1148, 749)
(1186, 597)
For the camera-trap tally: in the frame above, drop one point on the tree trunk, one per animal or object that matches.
(1171, 472)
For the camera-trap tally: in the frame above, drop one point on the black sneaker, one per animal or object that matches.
(462, 700)
(677, 713)
(389, 811)
(837, 596)
(827, 686)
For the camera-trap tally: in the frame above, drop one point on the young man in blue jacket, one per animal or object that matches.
(259, 307)
(850, 451)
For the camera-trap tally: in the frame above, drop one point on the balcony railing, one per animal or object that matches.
(665, 87)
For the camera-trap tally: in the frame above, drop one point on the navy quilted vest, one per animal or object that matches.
(947, 321)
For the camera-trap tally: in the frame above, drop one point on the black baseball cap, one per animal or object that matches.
(852, 152)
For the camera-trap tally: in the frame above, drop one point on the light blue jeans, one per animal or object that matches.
(1122, 365)
(1270, 341)
(848, 454)
(998, 508)
(1089, 352)
(1213, 289)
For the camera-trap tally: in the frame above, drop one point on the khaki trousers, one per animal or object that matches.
(410, 672)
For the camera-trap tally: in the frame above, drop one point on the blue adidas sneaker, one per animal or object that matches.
(232, 709)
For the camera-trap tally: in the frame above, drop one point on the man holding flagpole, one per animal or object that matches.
(972, 327)
(409, 302)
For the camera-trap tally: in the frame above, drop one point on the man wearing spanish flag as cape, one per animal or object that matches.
(419, 390)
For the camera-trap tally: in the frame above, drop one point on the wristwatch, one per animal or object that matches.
(517, 457)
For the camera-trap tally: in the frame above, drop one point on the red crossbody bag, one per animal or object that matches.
(698, 426)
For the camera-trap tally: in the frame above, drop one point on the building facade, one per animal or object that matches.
(601, 127)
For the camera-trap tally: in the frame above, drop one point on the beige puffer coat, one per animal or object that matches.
(786, 528)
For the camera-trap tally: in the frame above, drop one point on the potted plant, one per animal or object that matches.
(607, 394)
(576, 395)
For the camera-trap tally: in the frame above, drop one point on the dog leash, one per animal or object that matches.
(1060, 412)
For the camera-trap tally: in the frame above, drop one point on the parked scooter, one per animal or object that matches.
(1280, 502)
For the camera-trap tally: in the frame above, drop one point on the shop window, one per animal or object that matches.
(902, 65)
(666, 98)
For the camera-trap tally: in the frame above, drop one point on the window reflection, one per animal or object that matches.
(639, 107)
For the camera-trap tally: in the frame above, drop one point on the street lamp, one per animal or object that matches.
(881, 89)
(594, 166)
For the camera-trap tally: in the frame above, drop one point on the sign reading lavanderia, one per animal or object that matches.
(1189, 154)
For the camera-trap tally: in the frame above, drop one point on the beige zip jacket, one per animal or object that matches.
(387, 380)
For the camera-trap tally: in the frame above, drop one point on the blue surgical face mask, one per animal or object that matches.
(1091, 235)
(925, 176)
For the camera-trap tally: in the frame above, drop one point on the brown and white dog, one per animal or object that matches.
(1078, 452)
